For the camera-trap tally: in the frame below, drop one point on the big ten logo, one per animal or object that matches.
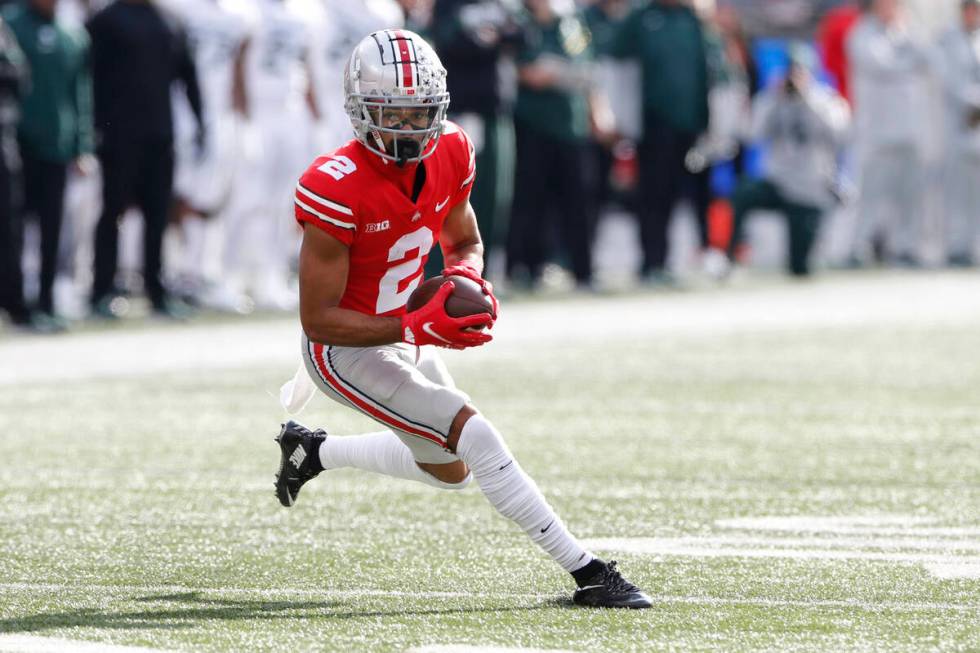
(373, 227)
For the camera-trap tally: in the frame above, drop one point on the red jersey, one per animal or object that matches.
(365, 202)
(832, 36)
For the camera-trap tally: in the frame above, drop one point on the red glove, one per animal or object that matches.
(465, 270)
(430, 325)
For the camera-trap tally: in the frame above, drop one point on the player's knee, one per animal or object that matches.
(460, 484)
(450, 476)
(464, 414)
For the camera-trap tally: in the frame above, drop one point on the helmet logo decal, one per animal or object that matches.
(406, 61)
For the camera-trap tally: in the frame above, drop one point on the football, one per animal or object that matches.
(466, 299)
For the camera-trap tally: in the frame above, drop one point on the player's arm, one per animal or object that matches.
(187, 73)
(239, 88)
(462, 248)
(460, 238)
(323, 266)
(311, 101)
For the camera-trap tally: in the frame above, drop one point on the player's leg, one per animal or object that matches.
(517, 497)
(154, 195)
(804, 224)
(118, 161)
(907, 192)
(404, 388)
(433, 421)
(526, 234)
(49, 206)
(661, 159)
(384, 384)
(576, 171)
(750, 195)
(194, 188)
(872, 205)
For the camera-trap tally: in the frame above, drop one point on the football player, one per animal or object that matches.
(205, 176)
(339, 25)
(262, 241)
(372, 211)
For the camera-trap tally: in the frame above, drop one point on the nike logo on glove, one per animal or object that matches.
(427, 327)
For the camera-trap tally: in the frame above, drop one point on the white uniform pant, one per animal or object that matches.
(263, 237)
(205, 180)
(891, 201)
(406, 388)
(962, 204)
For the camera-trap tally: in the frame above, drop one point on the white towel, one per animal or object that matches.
(297, 392)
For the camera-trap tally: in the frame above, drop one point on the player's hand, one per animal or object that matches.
(431, 325)
(464, 270)
(85, 165)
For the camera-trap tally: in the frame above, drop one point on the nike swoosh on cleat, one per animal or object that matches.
(545, 529)
(427, 327)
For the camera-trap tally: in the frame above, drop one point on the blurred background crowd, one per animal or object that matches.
(149, 148)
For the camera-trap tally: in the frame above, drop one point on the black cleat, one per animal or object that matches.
(300, 448)
(608, 589)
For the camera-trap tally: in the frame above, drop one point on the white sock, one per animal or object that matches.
(514, 494)
(381, 453)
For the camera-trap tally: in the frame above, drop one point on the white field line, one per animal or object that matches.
(32, 644)
(907, 606)
(954, 571)
(469, 648)
(908, 525)
(932, 545)
(821, 522)
(709, 547)
(240, 591)
(913, 532)
(878, 531)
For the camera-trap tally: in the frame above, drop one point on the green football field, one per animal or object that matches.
(781, 466)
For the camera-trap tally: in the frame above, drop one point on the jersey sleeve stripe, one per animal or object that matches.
(329, 204)
(325, 218)
(468, 179)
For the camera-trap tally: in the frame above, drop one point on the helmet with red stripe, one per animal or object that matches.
(395, 90)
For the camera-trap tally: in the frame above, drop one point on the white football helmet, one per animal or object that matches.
(395, 84)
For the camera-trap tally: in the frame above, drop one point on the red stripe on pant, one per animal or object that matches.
(337, 385)
(404, 59)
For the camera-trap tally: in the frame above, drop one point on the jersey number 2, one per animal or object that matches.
(338, 166)
(389, 297)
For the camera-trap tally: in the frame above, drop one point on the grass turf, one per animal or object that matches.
(140, 510)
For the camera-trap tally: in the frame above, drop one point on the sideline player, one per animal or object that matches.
(262, 240)
(205, 179)
(338, 26)
(371, 212)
